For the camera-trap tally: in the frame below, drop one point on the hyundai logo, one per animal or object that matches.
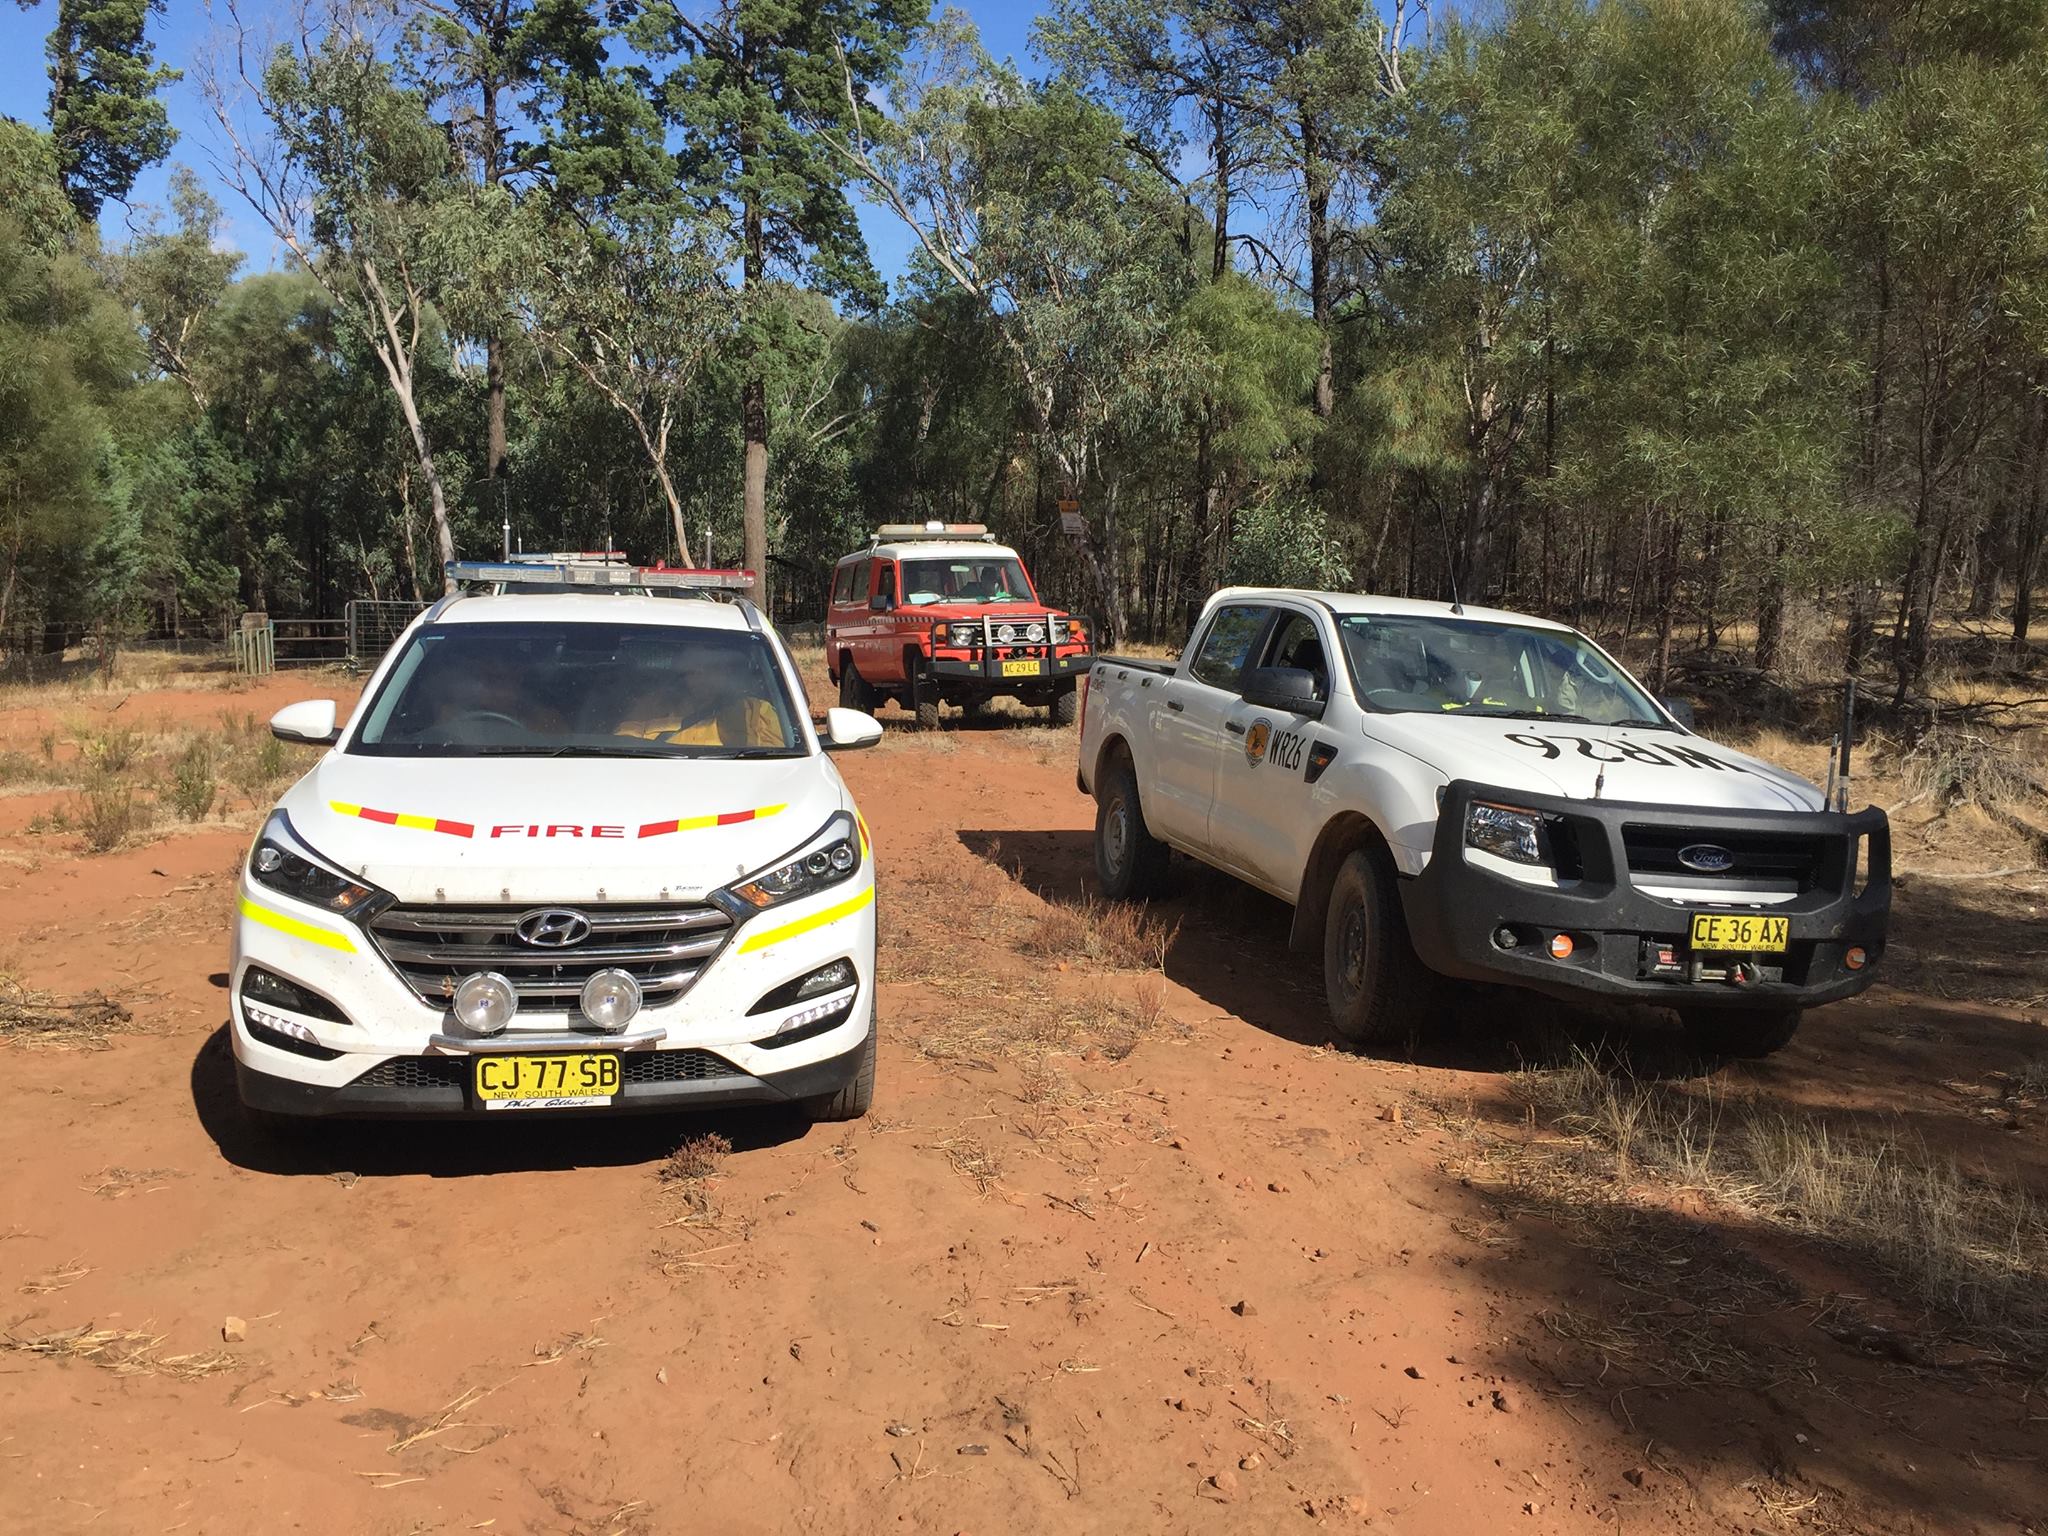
(1707, 858)
(554, 928)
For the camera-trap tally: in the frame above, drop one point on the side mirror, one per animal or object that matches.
(310, 721)
(1292, 689)
(847, 730)
(1679, 710)
(880, 604)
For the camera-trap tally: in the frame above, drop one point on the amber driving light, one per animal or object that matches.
(1855, 958)
(1561, 946)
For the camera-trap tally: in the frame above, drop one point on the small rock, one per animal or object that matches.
(1243, 1183)
(1635, 1476)
(1245, 1309)
(1091, 1054)
(661, 1376)
(1414, 1373)
(1224, 1481)
(972, 1450)
(1277, 1187)
(1678, 1306)
(1391, 1113)
(1529, 1508)
(870, 1226)
(234, 1330)
(597, 1434)
(1179, 1143)
(1251, 1462)
(899, 1430)
(1503, 1401)
(1177, 1404)
(345, 1179)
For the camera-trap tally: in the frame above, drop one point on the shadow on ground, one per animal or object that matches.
(1231, 950)
(457, 1149)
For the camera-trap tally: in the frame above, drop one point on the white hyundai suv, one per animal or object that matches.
(576, 850)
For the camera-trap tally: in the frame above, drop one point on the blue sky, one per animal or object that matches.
(181, 34)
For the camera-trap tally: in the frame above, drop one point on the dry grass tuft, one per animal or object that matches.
(36, 1018)
(107, 812)
(125, 1352)
(1114, 936)
(1970, 1248)
(695, 1159)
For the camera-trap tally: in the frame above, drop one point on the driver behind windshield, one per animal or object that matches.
(698, 698)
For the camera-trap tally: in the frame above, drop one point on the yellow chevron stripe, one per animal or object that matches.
(802, 925)
(418, 823)
(340, 809)
(312, 933)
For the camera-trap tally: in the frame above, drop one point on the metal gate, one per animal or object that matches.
(373, 627)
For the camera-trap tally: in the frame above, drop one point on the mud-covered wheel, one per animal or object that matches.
(854, 692)
(1375, 985)
(1129, 861)
(927, 713)
(1066, 706)
(852, 1101)
(1746, 1033)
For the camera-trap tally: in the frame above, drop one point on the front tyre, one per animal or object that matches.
(1747, 1034)
(1129, 861)
(852, 1101)
(1371, 976)
(1066, 707)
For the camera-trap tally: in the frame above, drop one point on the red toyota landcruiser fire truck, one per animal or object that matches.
(939, 613)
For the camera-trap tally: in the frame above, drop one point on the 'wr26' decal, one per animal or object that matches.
(1667, 756)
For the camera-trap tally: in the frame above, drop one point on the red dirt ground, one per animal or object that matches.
(1235, 1280)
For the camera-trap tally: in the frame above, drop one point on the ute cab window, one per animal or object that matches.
(1408, 664)
(1228, 645)
(965, 579)
(1295, 643)
(581, 690)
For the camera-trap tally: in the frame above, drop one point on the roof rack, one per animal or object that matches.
(575, 575)
(894, 533)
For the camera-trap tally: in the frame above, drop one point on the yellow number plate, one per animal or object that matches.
(1020, 668)
(1739, 932)
(546, 1082)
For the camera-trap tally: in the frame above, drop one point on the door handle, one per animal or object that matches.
(1236, 728)
(1176, 706)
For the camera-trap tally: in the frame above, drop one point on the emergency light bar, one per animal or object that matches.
(569, 574)
(896, 532)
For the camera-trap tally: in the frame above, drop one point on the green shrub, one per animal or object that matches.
(195, 782)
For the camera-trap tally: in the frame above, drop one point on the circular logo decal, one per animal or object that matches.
(1255, 741)
(1707, 858)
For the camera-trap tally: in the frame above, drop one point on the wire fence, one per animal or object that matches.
(374, 627)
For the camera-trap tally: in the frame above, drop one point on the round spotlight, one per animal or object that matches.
(610, 999)
(1855, 957)
(268, 859)
(484, 1003)
(1561, 946)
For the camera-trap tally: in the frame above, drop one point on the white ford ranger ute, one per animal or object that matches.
(1486, 796)
(576, 850)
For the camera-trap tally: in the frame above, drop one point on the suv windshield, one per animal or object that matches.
(581, 690)
(966, 579)
(1408, 663)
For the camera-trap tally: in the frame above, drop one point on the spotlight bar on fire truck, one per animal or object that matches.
(897, 533)
(597, 577)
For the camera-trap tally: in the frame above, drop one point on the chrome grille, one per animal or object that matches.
(664, 948)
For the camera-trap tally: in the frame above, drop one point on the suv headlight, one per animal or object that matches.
(829, 857)
(963, 634)
(282, 862)
(1506, 832)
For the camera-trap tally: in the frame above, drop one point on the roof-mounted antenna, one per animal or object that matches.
(1450, 561)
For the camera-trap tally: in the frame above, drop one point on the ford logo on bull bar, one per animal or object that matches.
(1707, 858)
(554, 928)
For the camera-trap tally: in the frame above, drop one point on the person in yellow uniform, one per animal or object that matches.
(704, 701)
